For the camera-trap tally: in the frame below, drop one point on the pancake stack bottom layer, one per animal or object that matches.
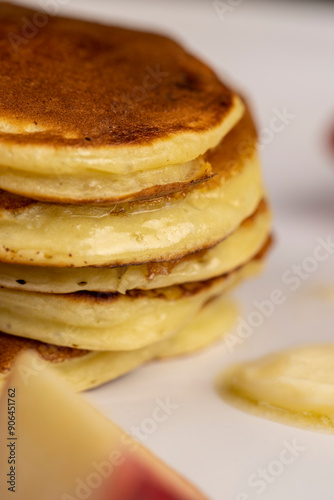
(131, 199)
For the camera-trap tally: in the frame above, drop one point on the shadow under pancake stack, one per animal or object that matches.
(131, 198)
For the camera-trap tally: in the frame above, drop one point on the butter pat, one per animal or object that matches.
(294, 386)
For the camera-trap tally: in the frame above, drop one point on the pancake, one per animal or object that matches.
(83, 98)
(105, 188)
(131, 198)
(85, 369)
(214, 319)
(158, 230)
(112, 322)
(231, 253)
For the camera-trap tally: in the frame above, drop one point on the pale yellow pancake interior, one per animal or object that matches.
(96, 368)
(237, 249)
(104, 188)
(156, 230)
(176, 149)
(116, 322)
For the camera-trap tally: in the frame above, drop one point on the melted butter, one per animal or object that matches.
(295, 387)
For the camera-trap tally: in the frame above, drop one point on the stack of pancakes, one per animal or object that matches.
(131, 198)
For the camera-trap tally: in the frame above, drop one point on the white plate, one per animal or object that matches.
(282, 55)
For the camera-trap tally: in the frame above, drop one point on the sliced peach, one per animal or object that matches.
(66, 450)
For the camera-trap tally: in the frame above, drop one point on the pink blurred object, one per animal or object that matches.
(331, 140)
(134, 481)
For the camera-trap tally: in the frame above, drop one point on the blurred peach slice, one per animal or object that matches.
(63, 449)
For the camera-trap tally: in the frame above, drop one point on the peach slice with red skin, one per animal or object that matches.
(63, 444)
(134, 481)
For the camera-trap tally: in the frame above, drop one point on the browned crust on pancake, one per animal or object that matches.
(163, 261)
(174, 292)
(13, 203)
(143, 195)
(165, 268)
(11, 346)
(226, 161)
(227, 157)
(266, 247)
(78, 80)
(11, 258)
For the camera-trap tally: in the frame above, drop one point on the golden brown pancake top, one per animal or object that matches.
(11, 346)
(93, 85)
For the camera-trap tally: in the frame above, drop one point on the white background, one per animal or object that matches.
(281, 54)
